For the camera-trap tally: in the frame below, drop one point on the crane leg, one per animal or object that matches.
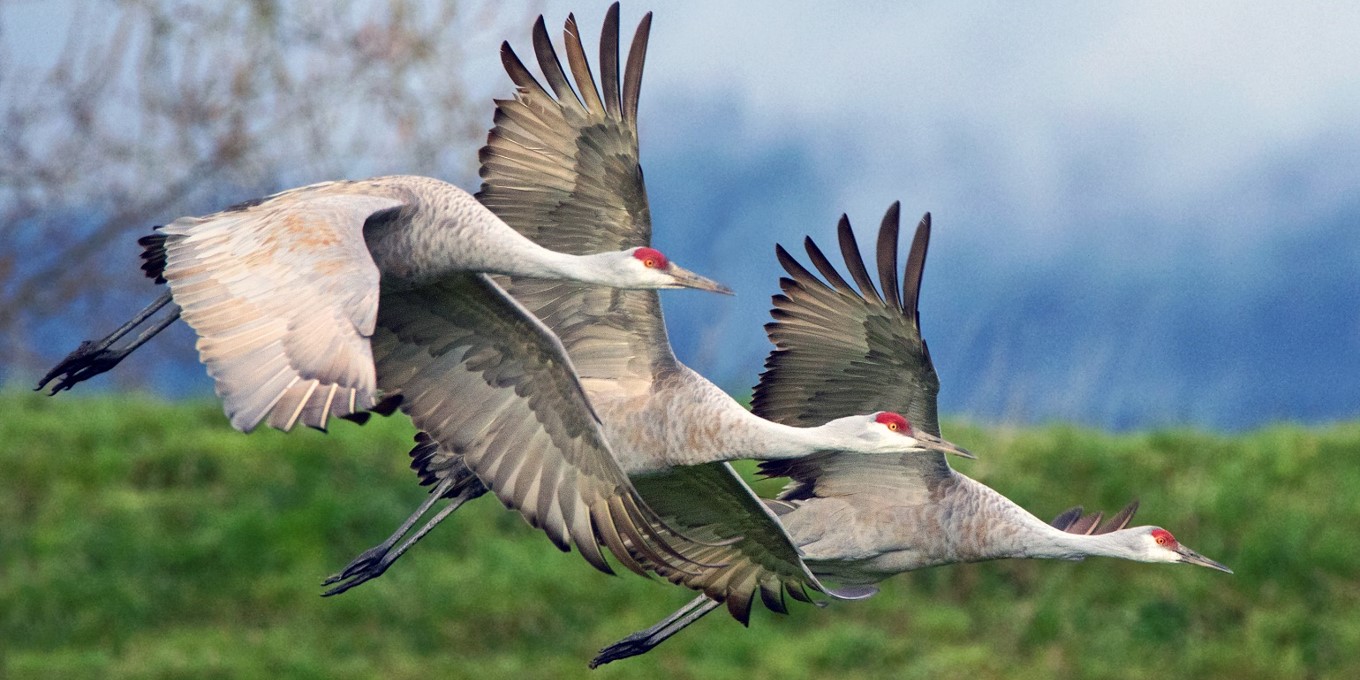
(373, 562)
(643, 641)
(95, 357)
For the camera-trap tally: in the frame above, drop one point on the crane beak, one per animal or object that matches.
(1189, 556)
(685, 278)
(933, 443)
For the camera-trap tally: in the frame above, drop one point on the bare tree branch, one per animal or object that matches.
(153, 109)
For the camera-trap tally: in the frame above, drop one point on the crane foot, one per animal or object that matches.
(87, 361)
(633, 645)
(367, 566)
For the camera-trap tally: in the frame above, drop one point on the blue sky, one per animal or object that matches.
(1146, 213)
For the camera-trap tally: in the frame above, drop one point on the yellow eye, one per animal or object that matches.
(892, 426)
(649, 263)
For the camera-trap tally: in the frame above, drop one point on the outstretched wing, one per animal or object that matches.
(283, 295)
(839, 351)
(561, 167)
(489, 382)
(750, 552)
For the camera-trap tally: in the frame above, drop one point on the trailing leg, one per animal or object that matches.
(643, 641)
(95, 357)
(373, 562)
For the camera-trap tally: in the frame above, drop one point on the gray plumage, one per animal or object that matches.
(314, 301)
(562, 168)
(857, 519)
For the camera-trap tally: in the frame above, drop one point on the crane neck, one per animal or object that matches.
(999, 528)
(594, 269)
(699, 423)
(773, 441)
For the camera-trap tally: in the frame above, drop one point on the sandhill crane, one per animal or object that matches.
(859, 519)
(564, 172)
(310, 301)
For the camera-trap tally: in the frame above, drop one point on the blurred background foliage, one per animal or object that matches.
(146, 539)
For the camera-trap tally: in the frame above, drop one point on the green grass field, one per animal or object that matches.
(141, 539)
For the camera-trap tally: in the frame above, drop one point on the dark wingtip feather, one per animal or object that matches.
(772, 595)
(854, 262)
(580, 66)
(1120, 520)
(887, 254)
(632, 74)
(551, 66)
(795, 269)
(1066, 518)
(1073, 522)
(739, 606)
(518, 72)
(916, 267)
(1086, 524)
(609, 60)
(358, 417)
(421, 456)
(824, 266)
(153, 255)
(797, 592)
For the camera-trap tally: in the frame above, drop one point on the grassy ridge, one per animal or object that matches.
(144, 539)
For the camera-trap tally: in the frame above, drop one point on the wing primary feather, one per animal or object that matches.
(887, 255)
(642, 533)
(824, 265)
(301, 404)
(1086, 525)
(739, 603)
(854, 262)
(580, 66)
(1066, 518)
(518, 73)
(609, 60)
(793, 267)
(632, 73)
(797, 592)
(773, 596)
(591, 552)
(1120, 520)
(916, 266)
(607, 529)
(551, 66)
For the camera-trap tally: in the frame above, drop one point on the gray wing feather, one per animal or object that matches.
(839, 352)
(1074, 522)
(490, 383)
(564, 171)
(283, 295)
(751, 551)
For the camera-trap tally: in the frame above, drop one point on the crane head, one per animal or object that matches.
(888, 432)
(1158, 545)
(648, 268)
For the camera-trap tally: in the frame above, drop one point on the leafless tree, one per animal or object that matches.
(140, 111)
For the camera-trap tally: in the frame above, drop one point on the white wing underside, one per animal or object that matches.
(283, 295)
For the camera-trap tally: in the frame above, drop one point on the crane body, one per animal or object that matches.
(857, 520)
(670, 427)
